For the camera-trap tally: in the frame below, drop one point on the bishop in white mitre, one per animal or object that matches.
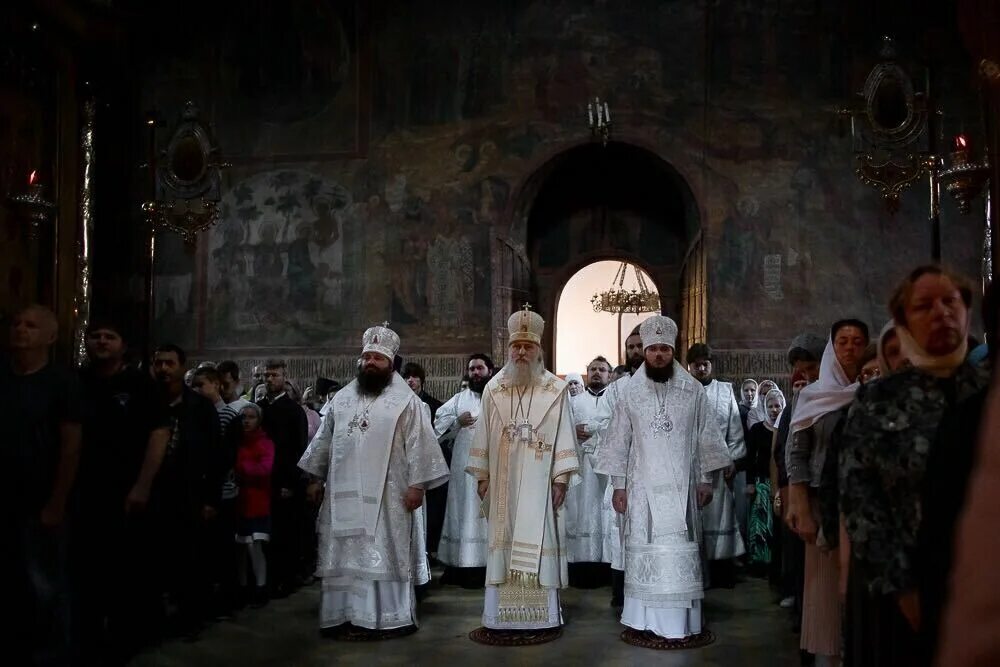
(463, 535)
(584, 512)
(661, 448)
(524, 456)
(719, 521)
(376, 453)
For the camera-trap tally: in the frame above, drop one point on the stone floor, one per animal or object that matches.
(750, 630)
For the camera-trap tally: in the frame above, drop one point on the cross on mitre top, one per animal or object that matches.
(526, 325)
(525, 316)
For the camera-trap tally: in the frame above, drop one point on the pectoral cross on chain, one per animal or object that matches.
(540, 448)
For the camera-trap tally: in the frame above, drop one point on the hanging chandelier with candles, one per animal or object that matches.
(620, 300)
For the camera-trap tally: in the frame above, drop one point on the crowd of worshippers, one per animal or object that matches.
(152, 497)
(145, 499)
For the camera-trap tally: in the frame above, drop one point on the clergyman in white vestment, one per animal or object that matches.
(584, 511)
(463, 536)
(664, 442)
(377, 453)
(523, 456)
(719, 521)
(613, 522)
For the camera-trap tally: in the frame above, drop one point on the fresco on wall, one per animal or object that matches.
(276, 260)
(470, 99)
(297, 261)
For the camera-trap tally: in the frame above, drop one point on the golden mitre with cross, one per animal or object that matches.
(525, 325)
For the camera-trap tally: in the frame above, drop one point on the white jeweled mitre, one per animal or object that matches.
(381, 339)
(658, 330)
(525, 325)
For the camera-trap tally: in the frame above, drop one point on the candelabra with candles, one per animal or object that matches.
(599, 118)
(619, 300)
(964, 180)
(33, 206)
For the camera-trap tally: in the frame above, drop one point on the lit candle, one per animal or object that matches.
(32, 178)
(607, 113)
(961, 154)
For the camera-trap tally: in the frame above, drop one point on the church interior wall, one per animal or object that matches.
(378, 149)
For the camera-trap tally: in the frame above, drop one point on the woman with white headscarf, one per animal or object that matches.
(758, 411)
(887, 448)
(821, 408)
(759, 442)
(747, 398)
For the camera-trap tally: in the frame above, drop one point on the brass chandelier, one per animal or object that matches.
(620, 300)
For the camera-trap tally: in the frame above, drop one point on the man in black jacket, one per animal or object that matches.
(115, 603)
(285, 423)
(415, 377)
(182, 483)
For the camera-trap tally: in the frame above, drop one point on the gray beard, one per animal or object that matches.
(523, 376)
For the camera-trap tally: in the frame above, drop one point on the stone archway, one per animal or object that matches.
(593, 202)
(579, 333)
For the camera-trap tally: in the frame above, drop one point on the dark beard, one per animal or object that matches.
(596, 386)
(660, 374)
(372, 383)
(634, 363)
(478, 384)
(705, 381)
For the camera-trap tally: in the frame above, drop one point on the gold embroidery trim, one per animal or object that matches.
(503, 475)
(506, 546)
(479, 471)
(565, 454)
(481, 453)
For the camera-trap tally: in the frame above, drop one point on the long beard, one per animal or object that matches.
(373, 383)
(478, 384)
(522, 375)
(660, 374)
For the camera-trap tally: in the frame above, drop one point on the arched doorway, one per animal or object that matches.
(581, 333)
(590, 203)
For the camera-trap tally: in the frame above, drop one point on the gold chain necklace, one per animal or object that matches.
(361, 421)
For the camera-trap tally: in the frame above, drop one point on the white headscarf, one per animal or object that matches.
(758, 411)
(883, 363)
(772, 425)
(743, 400)
(570, 377)
(939, 366)
(832, 391)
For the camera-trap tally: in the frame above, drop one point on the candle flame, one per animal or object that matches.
(32, 177)
(961, 142)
